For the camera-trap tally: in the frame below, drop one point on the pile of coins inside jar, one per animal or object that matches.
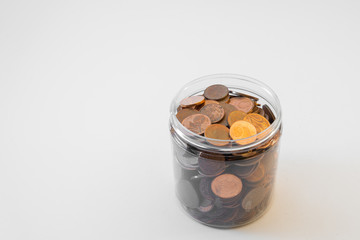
(232, 188)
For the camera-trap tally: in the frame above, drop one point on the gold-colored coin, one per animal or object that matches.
(191, 101)
(259, 122)
(242, 129)
(217, 131)
(235, 116)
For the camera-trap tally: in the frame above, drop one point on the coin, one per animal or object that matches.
(255, 109)
(228, 108)
(186, 159)
(206, 205)
(230, 216)
(267, 117)
(216, 213)
(226, 186)
(253, 198)
(269, 113)
(210, 102)
(211, 165)
(214, 111)
(242, 129)
(235, 116)
(204, 188)
(237, 94)
(259, 122)
(184, 113)
(197, 123)
(187, 194)
(217, 131)
(191, 101)
(243, 171)
(225, 99)
(198, 107)
(261, 112)
(216, 92)
(257, 175)
(249, 160)
(242, 103)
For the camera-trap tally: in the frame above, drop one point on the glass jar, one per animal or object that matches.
(198, 160)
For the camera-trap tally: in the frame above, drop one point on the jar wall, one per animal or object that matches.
(194, 172)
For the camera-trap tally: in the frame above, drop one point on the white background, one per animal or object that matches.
(85, 89)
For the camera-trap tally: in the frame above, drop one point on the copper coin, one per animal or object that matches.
(197, 123)
(198, 107)
(216, 92)
(191, 101)
(230, 202)
(244, 171)
(230, 216)
(211, 165)
(257, 175)
(206, 205)
(254, 198)
(226, 186)
(216, 213)
(210, 102)
(187, 194)
(242, 103)
(255, 109)
(249, 160)
(228, 108)
(242, 129)
(269, 113)
(236, 116)
(204, 188)
(225, 99)
(184, 113)
(259, 122)
(261, 112)
(214, 111)
(219, 132)
(237, 94)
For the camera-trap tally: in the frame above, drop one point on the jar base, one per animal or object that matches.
(253, 219)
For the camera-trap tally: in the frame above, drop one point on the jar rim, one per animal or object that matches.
(198, 140)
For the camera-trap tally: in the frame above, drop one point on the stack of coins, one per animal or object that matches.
(232, 188)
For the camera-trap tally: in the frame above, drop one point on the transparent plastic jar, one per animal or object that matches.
(197, 162)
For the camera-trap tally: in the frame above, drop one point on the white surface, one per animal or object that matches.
(85, 88)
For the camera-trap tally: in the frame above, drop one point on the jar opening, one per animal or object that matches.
(234, 82)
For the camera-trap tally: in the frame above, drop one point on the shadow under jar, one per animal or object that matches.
(246, 172)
